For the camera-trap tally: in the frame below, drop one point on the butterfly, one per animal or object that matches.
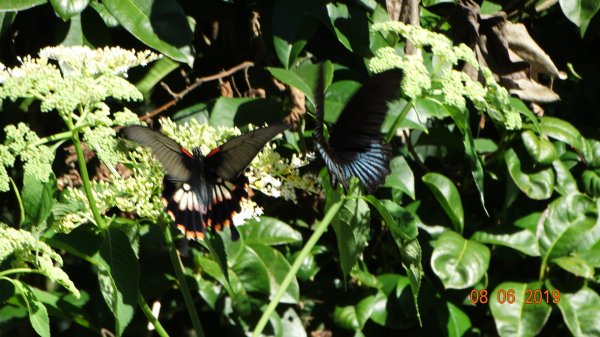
(204, 191)
(356, 146)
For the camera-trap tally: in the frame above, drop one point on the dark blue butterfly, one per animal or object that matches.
(356, 146)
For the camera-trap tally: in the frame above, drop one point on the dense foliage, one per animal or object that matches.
(487, 225)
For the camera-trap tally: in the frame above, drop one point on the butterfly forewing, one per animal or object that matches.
(171, 156)
(231, 158)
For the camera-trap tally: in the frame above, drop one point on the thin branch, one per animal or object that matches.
(177, 96)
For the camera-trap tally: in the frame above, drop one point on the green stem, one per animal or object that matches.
(179, 272)
(57, 136)
(312, 241)
(18, 195)
(20, 270)
(399, 119)
(85, 178)
(146, 310)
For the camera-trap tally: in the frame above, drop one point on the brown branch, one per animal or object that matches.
(177, 96)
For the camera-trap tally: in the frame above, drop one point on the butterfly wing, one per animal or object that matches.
(230, 159)
(356, 146)
(177, 161)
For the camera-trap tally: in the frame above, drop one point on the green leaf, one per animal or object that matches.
(354, 317)
(337, 96)
(291, 78)
(75, 35)
(292, 28)
(252, 272)
(580, 12)
(402, 177)
(581, 312)
(278, 267)
(565, 183)
(351, 226)
(540, 150)
(537, 185)
(458, 262)
(105, 15)
(161, 25)
(565, 132)
(571, 225)
(446, 193)
(38, 315)
(575, 265)
(591, 183)
(269, 231)
(518, 318)
(293, 325)
(392, 307)
(38, 200)
(485, 145)
(428, 3)
(216, 247)
(351, 26)
(512, 237)
(119, 276)
(67, 9)
(19, 5)
(458, 322)
(157, 72)
(240, 111)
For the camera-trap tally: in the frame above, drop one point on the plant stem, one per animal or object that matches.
(399, 119)
(179, 272)
(146, 310)
(312, 241)
(85, 178)
(19, 200)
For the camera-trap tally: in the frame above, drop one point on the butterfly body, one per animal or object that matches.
(204, 191)
(356, 146)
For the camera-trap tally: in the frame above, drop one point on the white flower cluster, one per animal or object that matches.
(454, 86)
(30, 252)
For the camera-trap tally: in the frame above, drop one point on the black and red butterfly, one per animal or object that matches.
(204, 191)
(356, 146)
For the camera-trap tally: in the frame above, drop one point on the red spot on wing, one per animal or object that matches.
(213, 152)
(186, 152)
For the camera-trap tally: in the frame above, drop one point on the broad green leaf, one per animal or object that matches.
(580, 12)
(565, 132)
(591, 183)
(38, 315)
(38, 200)
(402, 177)
(161, 25)
(213, 269)
(575, 265)
(565, 183)
(519, 318)
(446, 193)
(485, 145)
(458, 262)
(458, 322)
(216, 247)
(269, 231)
(107, 18)
(522, 240)
(392, 307)
(540, 150)
(240, 111)
(198, 111)
(292, 28)
(59, 304)
(571, 225)
(67, 9)
(252, 272)
(537, 185)
(581, 312)
(291, 78)
(278, 267)
(354, 317)
(157, 72)
(337, 96)
(309, 267)
(293, 325)
(351, 26)
(351, 226)
(19, 5)
(75, 35)
(118, 276)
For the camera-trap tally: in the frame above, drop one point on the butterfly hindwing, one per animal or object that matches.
(356, 146)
